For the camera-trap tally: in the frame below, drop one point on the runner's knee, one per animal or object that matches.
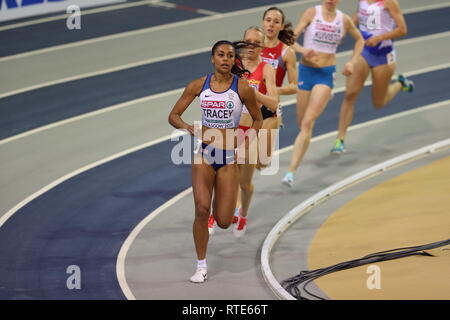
(202, 212)
(307, 125)
(378, 103)
(351, 96)
(223, 223)
(247, 186)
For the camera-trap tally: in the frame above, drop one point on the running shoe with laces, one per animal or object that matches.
(211, 224)
(407, 85)
(240, 227)
(288, 179)
(200, 275)
(339, 146)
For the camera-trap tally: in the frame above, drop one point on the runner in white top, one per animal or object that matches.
(379, 22)
(324, 27)
(221, 95)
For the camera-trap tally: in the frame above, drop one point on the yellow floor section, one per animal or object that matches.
(409, 210)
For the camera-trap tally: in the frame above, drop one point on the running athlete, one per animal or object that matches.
(277, 52)
(262, 79)
(324, 26)
(222, 95)
(380, 22)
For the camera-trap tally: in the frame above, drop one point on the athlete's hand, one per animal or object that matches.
(348, 69)
(373, 41)
(190, 129)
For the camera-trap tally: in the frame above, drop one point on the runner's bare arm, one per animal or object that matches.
(291, 68)
(248, 96)
(359, 45)
(190, 93)
(271, 99)
(304, 21)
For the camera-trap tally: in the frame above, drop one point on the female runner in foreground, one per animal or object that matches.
(262, 79)
(222, 95)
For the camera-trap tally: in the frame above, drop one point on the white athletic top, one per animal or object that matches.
(375, 20)
(220, 110)
(324, 36)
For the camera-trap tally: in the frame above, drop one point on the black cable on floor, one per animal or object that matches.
(304, 278)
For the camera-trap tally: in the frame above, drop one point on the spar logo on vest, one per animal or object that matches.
(217, 109)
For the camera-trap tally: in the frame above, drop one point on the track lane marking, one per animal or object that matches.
(179, 90)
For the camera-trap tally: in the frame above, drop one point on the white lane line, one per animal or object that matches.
(427, 8)
(72, 174)
(153, 29)
(296, 213)
(181, 7)
(91, 114)
(185, 23)
(155, 2)
(179, 91)
(84, 12)
(104, 71)
(180, 55)
(120, 264)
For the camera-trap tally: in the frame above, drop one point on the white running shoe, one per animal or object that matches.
(211, 225)
(240, 227)
(288, 179)
(200, 275)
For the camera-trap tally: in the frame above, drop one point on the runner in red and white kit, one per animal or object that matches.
(263, 80)
(277, 53)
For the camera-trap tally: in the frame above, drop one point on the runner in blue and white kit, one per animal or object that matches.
(379, 22)
(324, 27)
(222, 95)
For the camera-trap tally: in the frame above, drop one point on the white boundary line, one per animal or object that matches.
(159, 2)
(91, 114)
(180, 55)
(84, 12)
(120, 265)
(304, 207)
(178, 91)
(72, 174)
(155, 28)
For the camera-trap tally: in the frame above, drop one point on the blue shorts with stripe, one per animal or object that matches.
(374, 60)
(308, 77)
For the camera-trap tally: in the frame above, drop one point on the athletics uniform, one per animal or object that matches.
(375, 20)
(321, 36)
(221, 110)
(256, 81)
(274, 57)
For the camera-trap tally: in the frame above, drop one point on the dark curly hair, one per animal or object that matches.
(237, 68)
